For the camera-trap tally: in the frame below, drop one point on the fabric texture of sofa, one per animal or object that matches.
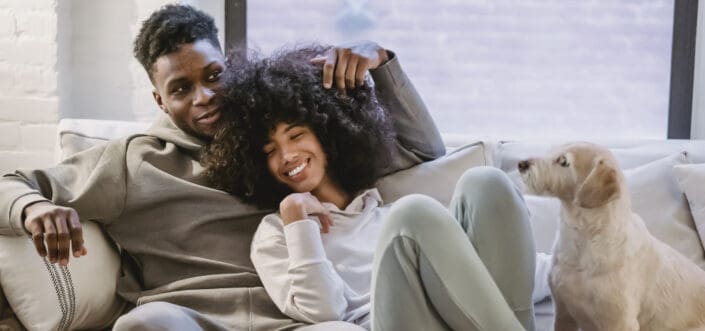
(665, 177)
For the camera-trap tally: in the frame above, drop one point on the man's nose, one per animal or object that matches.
(204, 95)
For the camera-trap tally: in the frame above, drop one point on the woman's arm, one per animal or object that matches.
(297, 275)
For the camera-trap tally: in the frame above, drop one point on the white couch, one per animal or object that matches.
(82, 296)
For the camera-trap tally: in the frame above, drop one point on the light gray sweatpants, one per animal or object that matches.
(467, 268)
(164, 316)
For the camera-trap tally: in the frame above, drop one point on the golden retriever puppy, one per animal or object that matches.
(609, 272)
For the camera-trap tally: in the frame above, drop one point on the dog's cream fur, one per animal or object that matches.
(609, 272)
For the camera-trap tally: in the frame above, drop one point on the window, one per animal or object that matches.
(507, 69)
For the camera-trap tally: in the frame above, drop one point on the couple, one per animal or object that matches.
(185, 246)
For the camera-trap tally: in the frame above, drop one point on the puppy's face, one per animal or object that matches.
(582, 174)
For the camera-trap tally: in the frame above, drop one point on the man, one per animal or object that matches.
(185, 246)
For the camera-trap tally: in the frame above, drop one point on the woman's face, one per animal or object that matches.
(295, 158)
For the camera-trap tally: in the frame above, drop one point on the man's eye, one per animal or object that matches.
(297, 135)
(562, 161)
(215, 76)
(180, 89)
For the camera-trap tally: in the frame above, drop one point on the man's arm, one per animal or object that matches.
(44, 202)
(416, 131)
(345, 67)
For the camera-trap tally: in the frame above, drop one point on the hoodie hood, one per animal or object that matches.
(165, 129)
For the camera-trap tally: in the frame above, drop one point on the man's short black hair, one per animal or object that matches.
(170, 27)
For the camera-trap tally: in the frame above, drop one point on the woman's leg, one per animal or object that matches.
(492, 212)
(427, 275)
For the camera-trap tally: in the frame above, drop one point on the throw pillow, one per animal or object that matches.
(658, 199)
(51, 297)
(691, 178)
(436, 178)
(83, 295)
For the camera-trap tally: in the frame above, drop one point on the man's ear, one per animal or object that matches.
(600, 187)
(158, 98)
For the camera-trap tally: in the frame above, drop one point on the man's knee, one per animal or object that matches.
(153, 316)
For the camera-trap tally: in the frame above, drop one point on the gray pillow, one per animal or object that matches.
(435, 178)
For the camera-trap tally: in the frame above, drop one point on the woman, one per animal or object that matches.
(334, 251)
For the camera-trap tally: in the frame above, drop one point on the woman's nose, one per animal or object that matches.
(289, 155)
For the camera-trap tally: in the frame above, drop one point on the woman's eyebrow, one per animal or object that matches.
(291, 126)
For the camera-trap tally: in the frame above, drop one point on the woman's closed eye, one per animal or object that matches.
(268, 150)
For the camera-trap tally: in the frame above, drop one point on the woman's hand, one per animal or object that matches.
(299, 206)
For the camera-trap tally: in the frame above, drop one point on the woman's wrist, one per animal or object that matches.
(291, 212)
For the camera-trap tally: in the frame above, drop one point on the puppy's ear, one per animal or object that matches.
(600, 187)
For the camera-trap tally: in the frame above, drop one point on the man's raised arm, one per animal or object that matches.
(345, 66)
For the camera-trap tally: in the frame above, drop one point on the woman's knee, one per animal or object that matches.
(415, 214)
(485, 185)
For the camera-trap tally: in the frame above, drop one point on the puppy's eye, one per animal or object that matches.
(562, 161)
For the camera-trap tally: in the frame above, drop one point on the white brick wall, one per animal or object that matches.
(506, 68)
(64, 58)
(28, 83)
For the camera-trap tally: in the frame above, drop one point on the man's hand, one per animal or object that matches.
(59, 227)
(298, 206)
(347, 64)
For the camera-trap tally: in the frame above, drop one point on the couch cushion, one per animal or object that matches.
(544, 213)
(436, 178)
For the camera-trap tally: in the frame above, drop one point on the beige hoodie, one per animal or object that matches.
(181, 241)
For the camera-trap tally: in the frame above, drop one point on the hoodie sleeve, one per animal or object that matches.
(297, 275)
(92, 182)
(417, 135)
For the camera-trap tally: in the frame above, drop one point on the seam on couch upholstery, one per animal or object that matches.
(72, 293)
(64, 292)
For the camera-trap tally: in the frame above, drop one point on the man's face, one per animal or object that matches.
(185, 82)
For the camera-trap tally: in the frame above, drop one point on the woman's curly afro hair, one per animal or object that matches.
(259, 93)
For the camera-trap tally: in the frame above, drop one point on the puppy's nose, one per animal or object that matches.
(524, 165)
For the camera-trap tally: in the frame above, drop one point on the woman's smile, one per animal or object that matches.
(293, 174)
